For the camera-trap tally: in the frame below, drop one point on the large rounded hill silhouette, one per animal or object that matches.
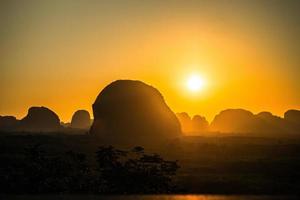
(40, 119)
(132, 111)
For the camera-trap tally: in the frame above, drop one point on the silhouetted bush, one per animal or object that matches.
(134, 171)
(42, 173)
(117, 171)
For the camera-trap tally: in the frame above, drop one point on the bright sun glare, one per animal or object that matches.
(195, 83)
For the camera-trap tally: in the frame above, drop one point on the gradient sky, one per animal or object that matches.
(60, 54)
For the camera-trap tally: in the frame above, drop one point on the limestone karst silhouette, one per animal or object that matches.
(243, 121)
(195, 124)
(40, 119)
(271, 123)
(200, 123)
(81, 120)
(185, 121)
(8, 123)
(233, 120)
(129, 110)
(292, 116)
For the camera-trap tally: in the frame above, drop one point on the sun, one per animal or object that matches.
(195, 83)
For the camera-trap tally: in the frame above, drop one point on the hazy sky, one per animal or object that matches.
(61, 54)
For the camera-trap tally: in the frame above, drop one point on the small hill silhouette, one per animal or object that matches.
(40, 119)
(271, 123)
(81, 119)
(195, 124)
(8, 123)
(185, 121)
(131, 111)
(233, 120)
(200, 123)
(243, 121)
(292, 116)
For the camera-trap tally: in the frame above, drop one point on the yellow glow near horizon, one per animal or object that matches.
(62, 55)
(195, 83)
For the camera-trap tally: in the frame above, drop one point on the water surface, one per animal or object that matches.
(149, 197)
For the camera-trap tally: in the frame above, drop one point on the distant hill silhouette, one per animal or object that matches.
(243, 121)
(233, 120)
(185, 121)
(131, 111)
(200, 123)
(292, 116)
(195, 124)
(272, 124)
(8, 123)
(40, 119)
(81, 119)
(128, 111)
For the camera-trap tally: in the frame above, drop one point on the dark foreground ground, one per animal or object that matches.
(208, 165)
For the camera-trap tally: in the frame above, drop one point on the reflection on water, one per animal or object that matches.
(147, 197)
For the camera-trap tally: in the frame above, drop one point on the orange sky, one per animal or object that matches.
(60, 54)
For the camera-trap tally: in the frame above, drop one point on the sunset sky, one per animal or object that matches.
(60, 54)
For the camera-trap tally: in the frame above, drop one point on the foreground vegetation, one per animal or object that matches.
(115, 172)
(76, 164)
